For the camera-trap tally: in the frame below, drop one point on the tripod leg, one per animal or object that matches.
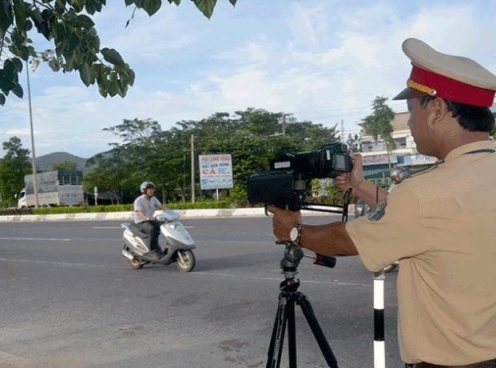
(277, 338)
(290, 307)
(307, 309)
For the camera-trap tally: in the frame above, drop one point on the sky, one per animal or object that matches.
(323, 61)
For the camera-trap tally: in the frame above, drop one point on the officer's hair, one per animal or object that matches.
(471, 118)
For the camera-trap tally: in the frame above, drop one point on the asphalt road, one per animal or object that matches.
(69, 299)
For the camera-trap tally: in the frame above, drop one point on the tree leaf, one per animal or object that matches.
(18, 91)
(54, 64)
(206, 6)
(84, 21)
(20, 15)
(112, 56)
(6, 18)
(18, 64)
(86, 74)
(2, 99)
(151, 6)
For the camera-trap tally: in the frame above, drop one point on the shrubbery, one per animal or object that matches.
(117, 208)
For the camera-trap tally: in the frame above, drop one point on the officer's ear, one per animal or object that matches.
(438, 110)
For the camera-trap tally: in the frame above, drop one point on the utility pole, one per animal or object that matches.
(342, 131)
(192, 169)
(283, 123)
(33, 159)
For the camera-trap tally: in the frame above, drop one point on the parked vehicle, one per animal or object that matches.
(178, 248)
(54, 188)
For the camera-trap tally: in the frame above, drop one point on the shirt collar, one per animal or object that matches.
(457, 152)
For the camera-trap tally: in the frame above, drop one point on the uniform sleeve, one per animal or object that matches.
(398, 233)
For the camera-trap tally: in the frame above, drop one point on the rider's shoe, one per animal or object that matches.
(152, 254)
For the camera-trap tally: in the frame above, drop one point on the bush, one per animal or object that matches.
(117, 208)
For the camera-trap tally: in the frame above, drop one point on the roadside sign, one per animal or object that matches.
(215, 171)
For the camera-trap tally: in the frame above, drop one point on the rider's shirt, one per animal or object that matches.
(147, 206)
(441, 225)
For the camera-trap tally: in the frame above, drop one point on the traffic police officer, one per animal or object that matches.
(439, 224)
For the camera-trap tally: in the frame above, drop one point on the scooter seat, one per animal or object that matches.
(136, 231)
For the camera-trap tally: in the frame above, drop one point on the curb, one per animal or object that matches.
(128, 215)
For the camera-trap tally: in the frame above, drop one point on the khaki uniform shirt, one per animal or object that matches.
(441, 225)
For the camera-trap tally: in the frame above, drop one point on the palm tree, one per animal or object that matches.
(379, 124)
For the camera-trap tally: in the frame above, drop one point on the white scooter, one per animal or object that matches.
(178, 248)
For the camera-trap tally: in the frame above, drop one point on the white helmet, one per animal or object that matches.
(145, 185)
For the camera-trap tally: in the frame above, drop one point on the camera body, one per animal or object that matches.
(285, 186)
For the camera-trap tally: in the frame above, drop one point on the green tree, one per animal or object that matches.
(145, 152)
(68, 25)
(379, 124)
(66, 165)
(110, 174)
(13, 167)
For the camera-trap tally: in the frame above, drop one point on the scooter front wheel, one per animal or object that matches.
(185, 260)
(136, 264)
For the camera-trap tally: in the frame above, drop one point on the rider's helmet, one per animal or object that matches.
(145, 185)
(398, 174)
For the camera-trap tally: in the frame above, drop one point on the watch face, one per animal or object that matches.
(293, 235)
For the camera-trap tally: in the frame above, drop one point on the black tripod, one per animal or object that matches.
(288, 297)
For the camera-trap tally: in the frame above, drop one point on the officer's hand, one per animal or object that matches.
(352, 179)
(283, 221)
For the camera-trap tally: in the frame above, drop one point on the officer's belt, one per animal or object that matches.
(487, 364)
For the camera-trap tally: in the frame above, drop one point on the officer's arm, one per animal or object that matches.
(370, 193)
(329, 239)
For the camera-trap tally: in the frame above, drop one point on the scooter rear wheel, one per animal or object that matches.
(185, 260)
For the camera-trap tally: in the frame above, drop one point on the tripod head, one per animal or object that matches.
(292, 257)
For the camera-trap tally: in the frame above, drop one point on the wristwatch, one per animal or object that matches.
(295, 234)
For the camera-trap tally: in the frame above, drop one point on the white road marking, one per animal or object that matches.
(62, 264)
(324, 282)
(37, 239)
(120, 227)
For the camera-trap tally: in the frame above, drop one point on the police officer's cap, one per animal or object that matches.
(454, 78)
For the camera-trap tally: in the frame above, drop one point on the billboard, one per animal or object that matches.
(379, 159)
(215, 171)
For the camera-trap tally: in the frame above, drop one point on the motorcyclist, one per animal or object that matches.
(144, 209)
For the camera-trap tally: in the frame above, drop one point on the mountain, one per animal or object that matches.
(46, 162)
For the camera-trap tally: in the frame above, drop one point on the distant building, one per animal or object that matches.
(375, 156)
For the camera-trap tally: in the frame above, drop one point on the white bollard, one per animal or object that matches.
(379, 345)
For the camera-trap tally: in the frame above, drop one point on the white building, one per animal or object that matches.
(376, 164)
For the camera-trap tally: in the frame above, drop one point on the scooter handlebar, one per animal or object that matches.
(167, 215)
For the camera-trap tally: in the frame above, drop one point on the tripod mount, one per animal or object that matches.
(289, 296)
